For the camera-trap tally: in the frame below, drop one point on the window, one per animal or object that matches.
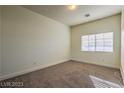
(97, 42)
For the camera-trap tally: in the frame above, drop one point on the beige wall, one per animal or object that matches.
(122, 44)
(0, 44)
(31, 40)
(99, 26)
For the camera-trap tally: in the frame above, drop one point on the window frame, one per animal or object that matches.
(112, 46)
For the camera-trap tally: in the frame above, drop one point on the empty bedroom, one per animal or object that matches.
(61, 46)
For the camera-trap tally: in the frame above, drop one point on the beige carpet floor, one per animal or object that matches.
(71, 74)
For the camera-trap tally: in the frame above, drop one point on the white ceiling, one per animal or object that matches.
(62, 14)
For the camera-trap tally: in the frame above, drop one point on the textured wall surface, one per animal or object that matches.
(31, 40)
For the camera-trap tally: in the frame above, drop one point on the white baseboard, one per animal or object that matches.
(122, 74)
(94, 63)
(11, 75)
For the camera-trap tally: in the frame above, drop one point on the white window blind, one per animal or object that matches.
(97, 42)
